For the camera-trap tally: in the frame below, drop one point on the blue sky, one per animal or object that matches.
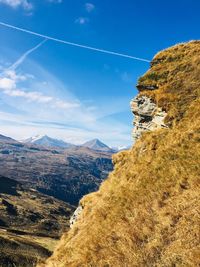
(73, 93)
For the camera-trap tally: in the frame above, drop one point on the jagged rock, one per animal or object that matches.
(148, 117)
(75, 215)
(142, 87)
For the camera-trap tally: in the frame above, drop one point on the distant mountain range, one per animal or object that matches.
(94, 144)
(67, 172)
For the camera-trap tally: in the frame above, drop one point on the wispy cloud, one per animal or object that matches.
(10, 79)
(55, 1)
(25, 55)
(82, 20)
(9, 86)
(89, 7)
(25, 4)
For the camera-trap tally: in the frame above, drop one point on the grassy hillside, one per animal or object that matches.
(147, 212)
(30, 224)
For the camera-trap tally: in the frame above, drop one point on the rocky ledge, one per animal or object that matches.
(142, 87)
(75, 215)
(147, 116)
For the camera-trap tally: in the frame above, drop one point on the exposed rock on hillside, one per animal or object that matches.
(148, 117)
(75, 215)
(147, 212)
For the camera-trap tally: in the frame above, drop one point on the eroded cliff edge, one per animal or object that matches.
(146, 212)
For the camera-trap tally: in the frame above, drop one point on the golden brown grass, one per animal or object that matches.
(147, 212)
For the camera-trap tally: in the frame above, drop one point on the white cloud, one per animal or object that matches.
(82, 20)
(55, 1)
(65, 105)
(25, 4)
(7, 84)
(30, 96)
(16, 77)
(89, 7)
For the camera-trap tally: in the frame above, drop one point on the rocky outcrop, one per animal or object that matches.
(142, 87)
(147, 116)
(75, 216)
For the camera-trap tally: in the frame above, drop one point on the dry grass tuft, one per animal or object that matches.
(147, 212)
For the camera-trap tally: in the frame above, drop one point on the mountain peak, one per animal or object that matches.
(45, 140)
(96, 144)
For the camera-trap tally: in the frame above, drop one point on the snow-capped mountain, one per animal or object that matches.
(97, 145)
(45, 140)
(94, 144)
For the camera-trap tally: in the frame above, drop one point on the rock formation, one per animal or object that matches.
(75, 215)
(148, 117)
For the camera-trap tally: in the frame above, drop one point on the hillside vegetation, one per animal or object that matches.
(147, 212)
(30, 224)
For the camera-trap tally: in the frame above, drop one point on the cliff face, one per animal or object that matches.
(146, 212)
(148, 116)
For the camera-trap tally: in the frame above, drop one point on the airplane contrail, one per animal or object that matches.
(24, 56)
(72, 44)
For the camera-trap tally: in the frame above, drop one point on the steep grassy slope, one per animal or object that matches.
(147, 212)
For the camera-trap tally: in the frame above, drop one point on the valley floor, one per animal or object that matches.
(22, 250)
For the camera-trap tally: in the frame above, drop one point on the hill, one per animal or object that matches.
(30, 224)
(6, 139)
(146, 212)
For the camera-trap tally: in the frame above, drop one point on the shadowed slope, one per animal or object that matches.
(146, 212)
